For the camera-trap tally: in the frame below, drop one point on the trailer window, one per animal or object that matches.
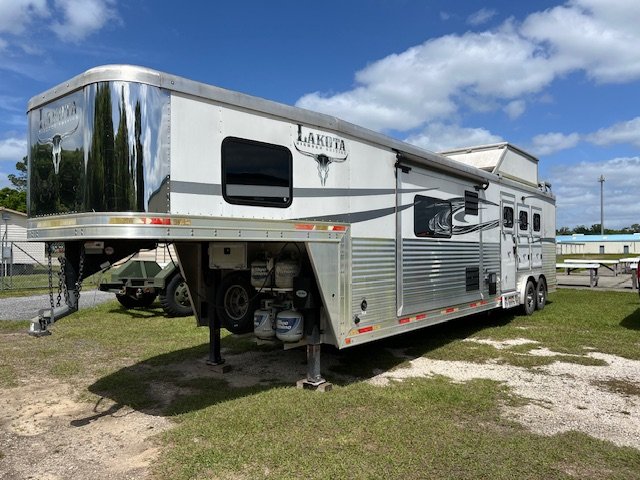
(523, 218)
(536, 222)
(431, 217)
(256, 173)
(470, 203)
(507, 217)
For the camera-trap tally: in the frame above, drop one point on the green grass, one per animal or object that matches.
(420, 428)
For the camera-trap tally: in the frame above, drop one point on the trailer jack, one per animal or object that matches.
(40, 325)
(314, 380)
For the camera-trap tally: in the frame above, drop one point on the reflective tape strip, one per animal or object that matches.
(478, 304)
(450, 310)
(422, 316)
(326, 228)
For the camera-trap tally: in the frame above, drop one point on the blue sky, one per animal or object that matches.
(559, 79)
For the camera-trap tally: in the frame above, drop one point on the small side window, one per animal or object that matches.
(432, 217)
(470, 203)
(523, 218)
(256, 173)
(536, 222)
(507, 217)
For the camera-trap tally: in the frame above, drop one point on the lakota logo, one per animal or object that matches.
(64, 118)
(324, 149)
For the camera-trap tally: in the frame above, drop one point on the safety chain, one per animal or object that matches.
(80, 271)
(43, 324)
(62, 281)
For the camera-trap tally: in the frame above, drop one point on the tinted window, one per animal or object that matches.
(470, 203)
(431, 217)
(536, 222)
(256, 173)
(507, 217)
(523, 218)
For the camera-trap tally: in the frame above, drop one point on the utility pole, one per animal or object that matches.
(601, 180)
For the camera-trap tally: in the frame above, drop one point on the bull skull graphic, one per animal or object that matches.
(56, 144)
(323, 162)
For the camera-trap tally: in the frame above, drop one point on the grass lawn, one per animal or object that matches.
(419, 428)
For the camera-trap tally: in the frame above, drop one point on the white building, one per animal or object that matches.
(598, 244)
(15, 249)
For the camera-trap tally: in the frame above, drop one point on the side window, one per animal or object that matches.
(256, 173)
(523, 218)
(507, 217)
(536, 222)
(470, 203)
(431, 217)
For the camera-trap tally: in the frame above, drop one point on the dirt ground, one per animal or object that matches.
(48, 432)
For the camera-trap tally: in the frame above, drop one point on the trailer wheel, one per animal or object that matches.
(529, 298)
(175, 298)
(236, 302)
(143, 302)
(541, 294)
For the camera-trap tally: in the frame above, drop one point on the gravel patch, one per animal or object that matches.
(562, 396)
(501, 344)
(25, 308)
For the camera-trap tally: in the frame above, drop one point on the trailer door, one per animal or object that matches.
(507, 244)
(524, 237)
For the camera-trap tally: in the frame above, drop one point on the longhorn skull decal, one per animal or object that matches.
(318, 145)
(56, 144)
(323, 162)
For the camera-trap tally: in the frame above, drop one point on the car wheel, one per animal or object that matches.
(529, 298)
(541, 294)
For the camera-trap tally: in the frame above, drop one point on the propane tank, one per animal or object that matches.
(260, 274)
(289, 326)
(264, 321)
(286, 271)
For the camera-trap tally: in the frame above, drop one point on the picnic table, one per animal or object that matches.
(608, 264)
(592, 267)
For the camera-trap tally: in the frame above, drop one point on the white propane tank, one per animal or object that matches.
(264, 321)
(289, 326)
(286, 271)
(260, 275)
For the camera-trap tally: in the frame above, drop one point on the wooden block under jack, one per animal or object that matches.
(319, 387)
(219, 367)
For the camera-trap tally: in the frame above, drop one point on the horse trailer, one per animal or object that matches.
(306, 228)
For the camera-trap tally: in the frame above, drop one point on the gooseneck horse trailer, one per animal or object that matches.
(300, 226)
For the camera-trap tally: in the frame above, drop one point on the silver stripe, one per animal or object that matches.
(216, 189)
(235, 190)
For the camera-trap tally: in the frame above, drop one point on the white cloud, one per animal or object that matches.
(481, 16)
(15, 15)
(13, 149)
(438, 137)
(515, 108)
(446, 75)
(577, 192)
(403, 91)
(591, 35)
(80, 18)
(548, 143)
(623, 132)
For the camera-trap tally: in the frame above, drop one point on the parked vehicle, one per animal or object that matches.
(137, 283)
(282, 218)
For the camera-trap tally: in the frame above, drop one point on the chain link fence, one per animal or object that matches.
(25, 267)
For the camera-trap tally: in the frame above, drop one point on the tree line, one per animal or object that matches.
(595, 230)
(15, 197)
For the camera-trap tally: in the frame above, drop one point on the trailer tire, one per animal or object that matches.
(529, 305)
(175, 298)
(236, 301)
(129, 302)
(541, 294)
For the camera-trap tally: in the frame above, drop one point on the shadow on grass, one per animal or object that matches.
(178, 382)
(632, 321)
